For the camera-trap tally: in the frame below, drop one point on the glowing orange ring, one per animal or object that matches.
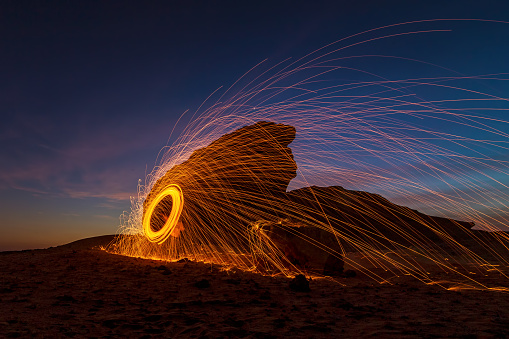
(161, 235)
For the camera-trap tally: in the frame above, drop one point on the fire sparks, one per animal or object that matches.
(443, 155)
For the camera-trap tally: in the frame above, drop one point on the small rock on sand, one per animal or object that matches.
(299, 284)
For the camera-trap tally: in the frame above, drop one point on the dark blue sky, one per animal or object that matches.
(91, 90)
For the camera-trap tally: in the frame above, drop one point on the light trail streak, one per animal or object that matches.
(370, 133)
(169, 225)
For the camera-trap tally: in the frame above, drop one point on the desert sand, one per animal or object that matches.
(79, 290)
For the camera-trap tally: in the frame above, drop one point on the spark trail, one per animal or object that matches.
(221, 196)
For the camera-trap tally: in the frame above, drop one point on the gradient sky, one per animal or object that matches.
(90, 90)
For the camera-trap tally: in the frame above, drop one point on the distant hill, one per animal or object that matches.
(89, 243)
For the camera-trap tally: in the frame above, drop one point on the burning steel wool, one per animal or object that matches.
(228, 204)
(231, 191)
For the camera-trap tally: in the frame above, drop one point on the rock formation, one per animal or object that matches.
(369, 218)
(235, 200)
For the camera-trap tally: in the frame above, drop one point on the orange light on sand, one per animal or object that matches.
(172, 220)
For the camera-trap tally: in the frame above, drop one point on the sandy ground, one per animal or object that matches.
(72, 291)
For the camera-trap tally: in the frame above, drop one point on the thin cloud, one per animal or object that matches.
(100, 163)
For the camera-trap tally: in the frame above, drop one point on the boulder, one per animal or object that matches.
(304, 247)
(299, 284)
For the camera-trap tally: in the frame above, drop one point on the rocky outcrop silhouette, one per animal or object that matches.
(236, 187)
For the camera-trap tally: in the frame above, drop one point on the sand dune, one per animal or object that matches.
(77, 290)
